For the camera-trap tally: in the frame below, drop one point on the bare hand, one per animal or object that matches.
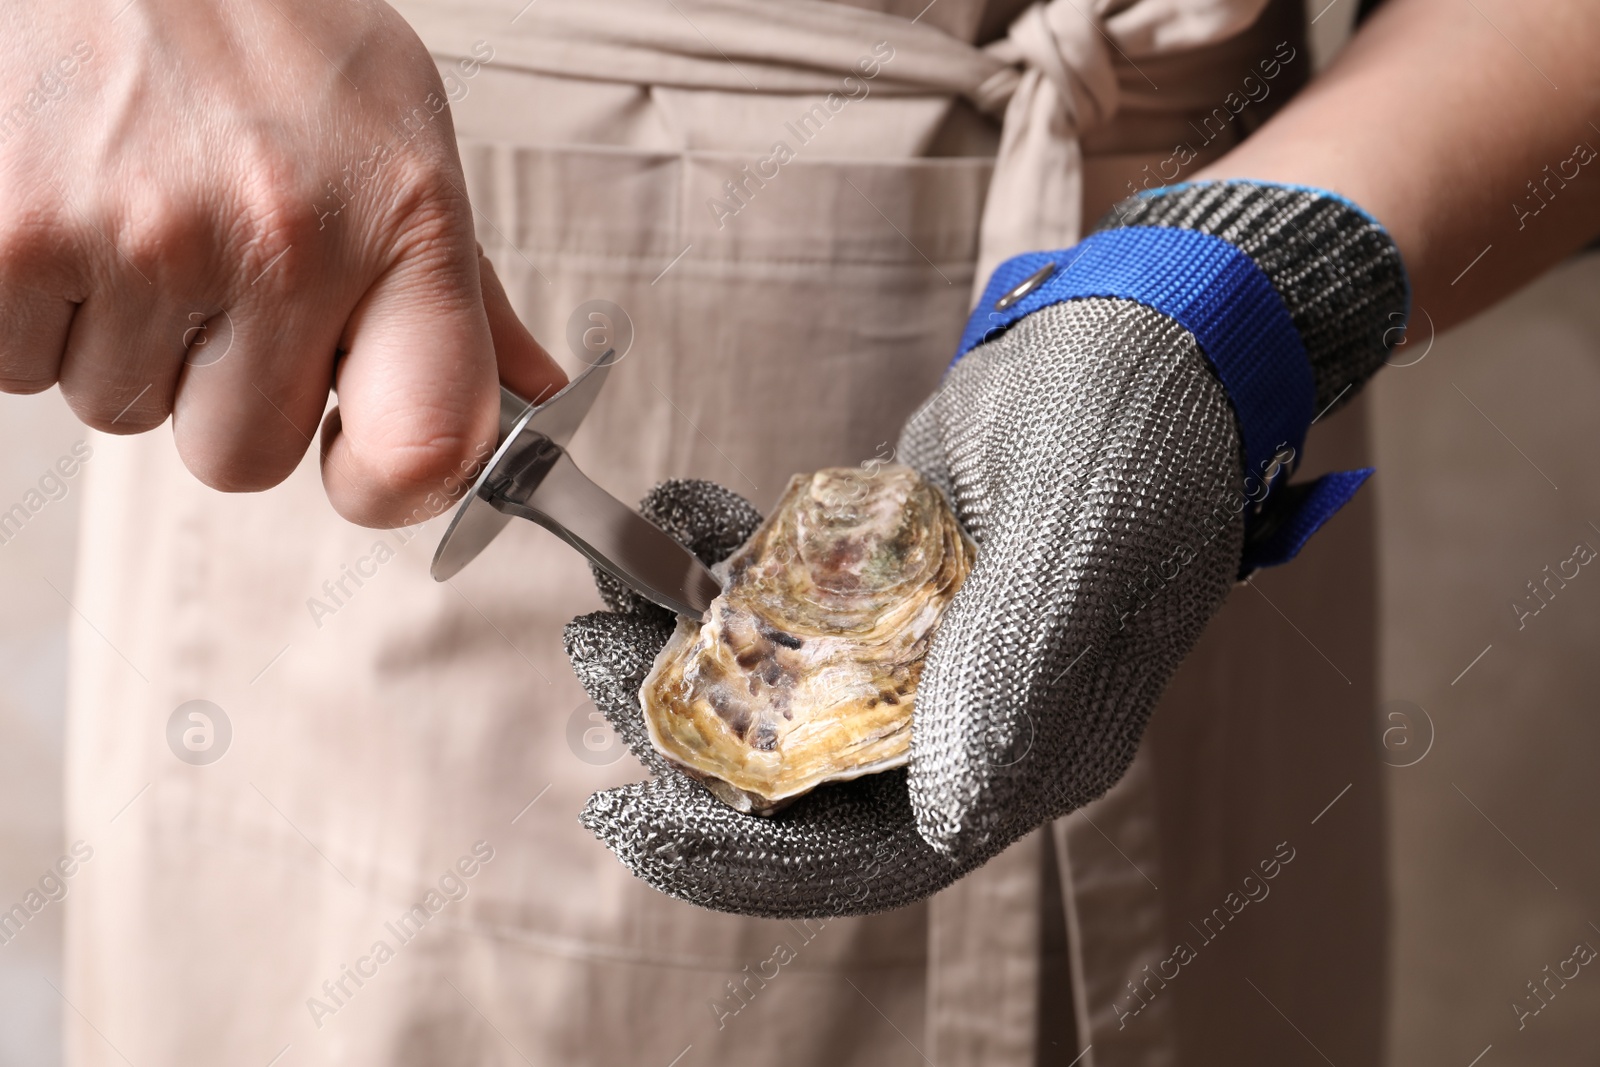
(202, 203)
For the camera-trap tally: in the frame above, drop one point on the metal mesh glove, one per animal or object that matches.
(1095, 457)
(1085, 451)
(848, 848)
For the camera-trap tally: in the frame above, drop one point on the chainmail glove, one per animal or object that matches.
(1095, 456)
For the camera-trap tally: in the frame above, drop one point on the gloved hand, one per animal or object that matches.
(1098, 459)
(848, 848)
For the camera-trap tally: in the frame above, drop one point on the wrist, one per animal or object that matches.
(1338, 272)
(1293, 296)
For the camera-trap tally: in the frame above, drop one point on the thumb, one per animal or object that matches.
(418, 393)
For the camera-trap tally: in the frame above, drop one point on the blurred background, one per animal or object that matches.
(1485, 443)
(36, 571)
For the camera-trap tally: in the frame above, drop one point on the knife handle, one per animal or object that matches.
(549, 489)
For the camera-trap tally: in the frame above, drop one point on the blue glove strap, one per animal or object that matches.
(1217, 293)
(1288, 523)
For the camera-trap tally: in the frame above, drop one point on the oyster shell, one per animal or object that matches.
(806, 667)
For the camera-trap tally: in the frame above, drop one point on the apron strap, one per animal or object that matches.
(983, 962)
(1109, 859)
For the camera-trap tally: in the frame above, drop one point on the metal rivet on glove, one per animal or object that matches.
(1026, 286)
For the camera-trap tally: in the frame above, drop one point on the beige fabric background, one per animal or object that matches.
(34, 433)
(1487, 474)
(1485, 451)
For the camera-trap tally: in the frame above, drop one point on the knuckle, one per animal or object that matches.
(427, 213)
(22, 247)
(159, 231)
(38, 253)
(22, 196)
(275, 219)
(429, 470)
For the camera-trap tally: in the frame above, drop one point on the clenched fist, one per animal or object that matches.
(220, 210)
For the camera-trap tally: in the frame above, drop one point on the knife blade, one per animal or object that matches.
(549, 489)
(532, 476)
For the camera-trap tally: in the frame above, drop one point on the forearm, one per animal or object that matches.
(1436, 123)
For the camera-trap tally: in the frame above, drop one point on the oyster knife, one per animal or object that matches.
(532, 476)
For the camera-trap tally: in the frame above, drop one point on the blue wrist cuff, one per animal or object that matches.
(1220, 295)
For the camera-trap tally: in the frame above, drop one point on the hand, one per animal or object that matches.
(201, 203)
(1004, 734)
(1099, 461)
(846, 849)
(1070, 499)
(1094, 454)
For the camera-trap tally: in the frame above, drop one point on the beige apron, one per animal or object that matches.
(385, 866)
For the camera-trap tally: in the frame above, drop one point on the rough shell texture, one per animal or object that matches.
(806, 667)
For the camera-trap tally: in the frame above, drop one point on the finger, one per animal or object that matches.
(611, 655)
(525, 367)
(34, 336)
(126, 345)
(119, 369)
(418, 392)
(850, 848)
(36, 308)
(255, 381)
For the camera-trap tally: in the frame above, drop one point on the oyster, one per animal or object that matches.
(806, 667)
